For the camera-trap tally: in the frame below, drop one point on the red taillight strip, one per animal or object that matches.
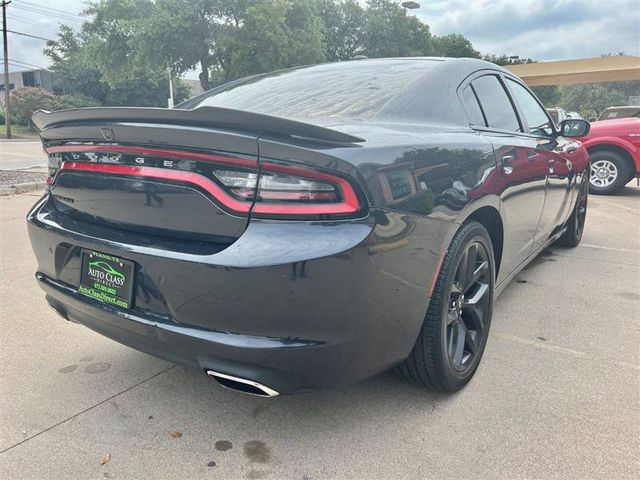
(349, 203)
(295, 196)
(158, 152)
(163, 174)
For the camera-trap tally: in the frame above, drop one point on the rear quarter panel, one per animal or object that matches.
(420, 186)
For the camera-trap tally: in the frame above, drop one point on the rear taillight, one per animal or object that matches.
(288, 190)
(53, 163)
(241, 186)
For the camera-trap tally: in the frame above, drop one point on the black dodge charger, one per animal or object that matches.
(310, 227)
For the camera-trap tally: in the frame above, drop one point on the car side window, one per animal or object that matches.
(539, 123)
(472, 107)
(495, 103)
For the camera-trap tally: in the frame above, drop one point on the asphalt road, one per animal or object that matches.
(21, 153)
(556, 396)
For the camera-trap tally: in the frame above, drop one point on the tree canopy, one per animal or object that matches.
(129, 45)
(126, 49)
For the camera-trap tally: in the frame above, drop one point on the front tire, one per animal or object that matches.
(454, 332)
(609, 172)
(575, 225)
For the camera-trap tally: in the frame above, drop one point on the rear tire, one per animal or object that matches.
(609, 172)
(455, 329)
(575, 225)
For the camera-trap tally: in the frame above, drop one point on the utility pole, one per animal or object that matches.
(7, 105)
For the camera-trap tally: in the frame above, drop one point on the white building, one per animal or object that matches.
(27, 78)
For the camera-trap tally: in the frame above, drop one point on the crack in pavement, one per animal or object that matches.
(88, 409)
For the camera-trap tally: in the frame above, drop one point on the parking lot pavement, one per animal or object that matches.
(21, 153)
(556, 396)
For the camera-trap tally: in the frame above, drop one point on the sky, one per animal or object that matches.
(539, 29)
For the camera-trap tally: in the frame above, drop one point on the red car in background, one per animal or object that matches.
(614, 148)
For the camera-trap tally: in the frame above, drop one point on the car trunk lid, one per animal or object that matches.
(187, 174)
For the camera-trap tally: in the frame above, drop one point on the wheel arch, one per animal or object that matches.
(489, 217)
(623, 152)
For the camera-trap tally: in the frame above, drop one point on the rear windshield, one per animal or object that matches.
(354, 90)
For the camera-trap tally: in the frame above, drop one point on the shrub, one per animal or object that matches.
(26, 100)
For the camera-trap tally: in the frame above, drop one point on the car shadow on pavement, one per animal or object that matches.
(628, 192)
(377, 399)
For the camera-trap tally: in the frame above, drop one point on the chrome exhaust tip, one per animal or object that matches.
(242, 384)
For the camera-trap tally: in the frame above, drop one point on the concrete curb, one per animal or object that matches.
(22, 188)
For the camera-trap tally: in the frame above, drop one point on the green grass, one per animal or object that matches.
(19, 131)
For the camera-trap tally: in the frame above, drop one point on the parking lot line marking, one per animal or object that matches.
(88, 409)
(625, 263)
(609, 248)
(557, 349)
(612, 204)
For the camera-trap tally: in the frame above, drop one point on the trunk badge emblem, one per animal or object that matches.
(107, 134)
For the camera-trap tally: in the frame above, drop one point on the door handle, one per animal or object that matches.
(507, 166)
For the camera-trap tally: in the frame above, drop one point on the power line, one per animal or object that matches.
(36, 6)
(22, 67)
(32, 36)
(46, 7)
(65, 17)
(52, 15)
(26, 64)
(18, 18)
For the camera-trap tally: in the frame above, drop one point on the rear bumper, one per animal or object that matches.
(296, 306)
(238, 355)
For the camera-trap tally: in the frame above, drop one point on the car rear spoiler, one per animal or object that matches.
(212, 117)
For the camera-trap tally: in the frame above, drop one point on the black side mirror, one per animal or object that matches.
(574, 127)
(593, 119)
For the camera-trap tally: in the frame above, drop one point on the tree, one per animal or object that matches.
(454, 45)
(590, 99)
(188, 34)
(127, 43)
(75, 71)
(275, 35)
(81, 69)
(549, 95)
(389, 32)
(76, 100)
(505, 59)
(344, 23)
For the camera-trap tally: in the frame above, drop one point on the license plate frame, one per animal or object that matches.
(107, 278)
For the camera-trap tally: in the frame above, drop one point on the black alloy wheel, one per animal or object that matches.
(454, 333)
(468, 306)
(575, 225)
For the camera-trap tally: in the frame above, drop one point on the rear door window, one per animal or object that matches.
(472, 107)
(495, 103)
